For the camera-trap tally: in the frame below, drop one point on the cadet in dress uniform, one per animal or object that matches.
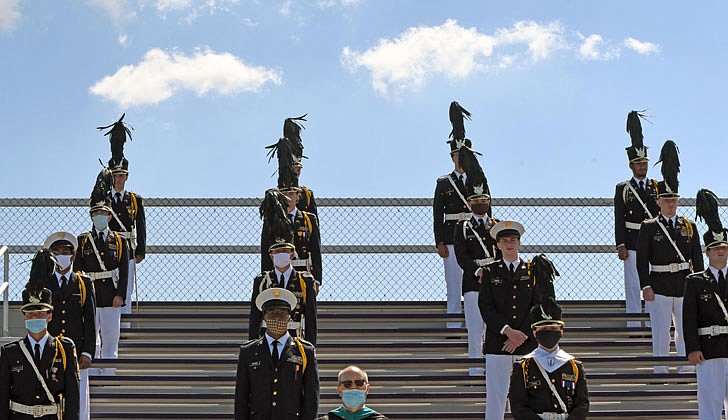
(39, 373)
(301, 284)
(128, 218)
(277, 375)
(474, 249)
(548, 383)
(102, 254)
(289, 150)
(450, 206)
(304, 229)
(507, 293)
(668, 249)
(705, 318)
(74, 309)
(634, 202)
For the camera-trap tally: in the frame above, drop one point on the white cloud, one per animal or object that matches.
(9, 14)
(642, 47)
(118, 10)
(164, 5)
(326, 4)
(161, 74)
(122, 40)
(592, 49)
(408, 61)
(286, 8)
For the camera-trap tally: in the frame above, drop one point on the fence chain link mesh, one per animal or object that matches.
(374, 249)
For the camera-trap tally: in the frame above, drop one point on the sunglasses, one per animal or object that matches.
(358, 382)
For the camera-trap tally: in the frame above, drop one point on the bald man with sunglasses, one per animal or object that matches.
(353, 390)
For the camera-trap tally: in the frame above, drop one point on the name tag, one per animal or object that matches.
(295, 359)
(496, 281)
(254, 364)
(658, 237)
(17, 369)
(705, 296)
(525, 278)
(534, 384)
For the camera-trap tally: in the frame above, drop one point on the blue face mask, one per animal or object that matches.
(36, 326)
(101, 222)
(353, 398)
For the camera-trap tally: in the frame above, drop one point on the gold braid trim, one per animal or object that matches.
(303, 286)
(303, 353)
(134, 206)
(307, 222)
(575, 369)
(524, 368)
(688, 226)
(59, 345)
(81, 288)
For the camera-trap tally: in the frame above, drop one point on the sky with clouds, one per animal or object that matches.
(206, 85)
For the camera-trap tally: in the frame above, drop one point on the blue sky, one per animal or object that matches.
(207, 84)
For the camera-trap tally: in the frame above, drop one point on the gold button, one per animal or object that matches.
(63, 321)
(514, 317)
(63, 311)
(275, 380)
(514, 296)
(274, 403)
(514, 286)
(514, 306)
(64, 302)
(63, 331)
(37, 397)
(553, 380)
(275, 392)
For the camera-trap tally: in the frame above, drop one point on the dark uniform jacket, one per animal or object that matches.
(308, 201)
(627, 208)
(302, 285)
(447, 201)
(289, 390)
(506, 299)
(74, 311)
(529, 394)
(468, 249)
(113, 253)
(306, 238)
(333, 416)
(654, 247)
(18, 381)
(131, 214)
(700, 310)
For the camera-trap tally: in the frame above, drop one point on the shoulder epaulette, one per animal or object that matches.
(443, 178)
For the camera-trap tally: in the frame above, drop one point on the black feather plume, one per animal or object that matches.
(44, 264)
(117, 138)
(669, 156)
(292, 131)
(103, 185)
(543, 273)
(634, 127)
(274, 212)
(706, 208)
(457, 116)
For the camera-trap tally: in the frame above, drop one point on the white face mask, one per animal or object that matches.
(101, 222)
(281, 259)
(64, 261)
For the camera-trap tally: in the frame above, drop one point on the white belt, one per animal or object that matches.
(553, 416)
(33, 410)
(670, 268)
(483, 261)
(630, 225)
(102, 275)
(458, 216)
(299, 263)
(713, 330)
(292, 325)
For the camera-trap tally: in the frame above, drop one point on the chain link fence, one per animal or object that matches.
(374, 249)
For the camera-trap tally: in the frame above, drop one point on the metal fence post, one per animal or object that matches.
(5, 287)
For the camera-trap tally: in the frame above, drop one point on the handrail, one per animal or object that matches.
(4, 288)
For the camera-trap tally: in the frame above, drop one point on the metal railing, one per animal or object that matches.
(5, 288)
(373, 248)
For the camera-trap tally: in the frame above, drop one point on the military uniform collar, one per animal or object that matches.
(507, 264)
(675, 219)
(286, 274)
(105, 232)
(294, 212)
(283, 340)
(714, 272)
(550, 361)
(67, 275)
(42, 341)
(457, 175)
(636, 182)
(122, 193)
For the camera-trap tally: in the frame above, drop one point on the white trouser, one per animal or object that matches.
(107, 335)
(454, 283)
(129, 288)
(474, 323)
(712, 388)
(632, 292)
(663, 310)
(498, 368)
(85, 400)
